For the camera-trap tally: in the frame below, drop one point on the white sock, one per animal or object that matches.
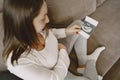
(96, 53)
(80, 70)
(100, 77)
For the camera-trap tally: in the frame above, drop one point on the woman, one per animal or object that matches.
(32, 51)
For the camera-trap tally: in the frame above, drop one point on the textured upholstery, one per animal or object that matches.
(67, 10)
(1, 4)
(2, 65)
(99, 2)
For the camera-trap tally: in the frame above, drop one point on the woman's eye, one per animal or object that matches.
(43, 19)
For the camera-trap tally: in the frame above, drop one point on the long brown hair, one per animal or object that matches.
(19, 32)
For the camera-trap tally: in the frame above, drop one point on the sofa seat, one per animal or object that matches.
(107, 33)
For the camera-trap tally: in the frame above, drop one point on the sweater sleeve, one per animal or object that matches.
(59, 33)
(62, 65)
(35, 72)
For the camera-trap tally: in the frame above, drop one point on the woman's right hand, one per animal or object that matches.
(61, 46)
(72, 30)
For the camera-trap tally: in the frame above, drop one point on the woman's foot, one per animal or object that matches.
(81, 69)
(96, 53)
(100, 77)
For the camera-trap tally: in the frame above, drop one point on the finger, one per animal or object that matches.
(76, 31)
(77, 26)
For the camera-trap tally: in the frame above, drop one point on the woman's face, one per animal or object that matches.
(42, 19)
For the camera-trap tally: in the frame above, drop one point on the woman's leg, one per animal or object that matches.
(70, 40)
(90, 71)
(80, 45)
(81, 50)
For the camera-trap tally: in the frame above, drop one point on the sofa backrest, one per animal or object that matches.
(67, 10)
(63, 11)
(99, 2)
(1, 4)
(2, 65)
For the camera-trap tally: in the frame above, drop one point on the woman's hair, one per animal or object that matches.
(19, 32)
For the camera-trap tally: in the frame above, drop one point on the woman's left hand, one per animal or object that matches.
(72, 30)
(61, 46)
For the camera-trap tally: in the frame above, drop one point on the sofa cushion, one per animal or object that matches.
(108, 34)
(6, 75)
(99, 2)
(2, 65)
(1, 4)
(67, 10)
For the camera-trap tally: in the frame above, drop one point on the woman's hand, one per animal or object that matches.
(72, 30)
(61, 46)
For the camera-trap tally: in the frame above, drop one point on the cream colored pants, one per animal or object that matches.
(79, 43)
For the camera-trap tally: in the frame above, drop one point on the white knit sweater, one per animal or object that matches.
(47, 64)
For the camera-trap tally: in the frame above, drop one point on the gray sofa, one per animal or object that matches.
(107, 33)
(63, 12)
